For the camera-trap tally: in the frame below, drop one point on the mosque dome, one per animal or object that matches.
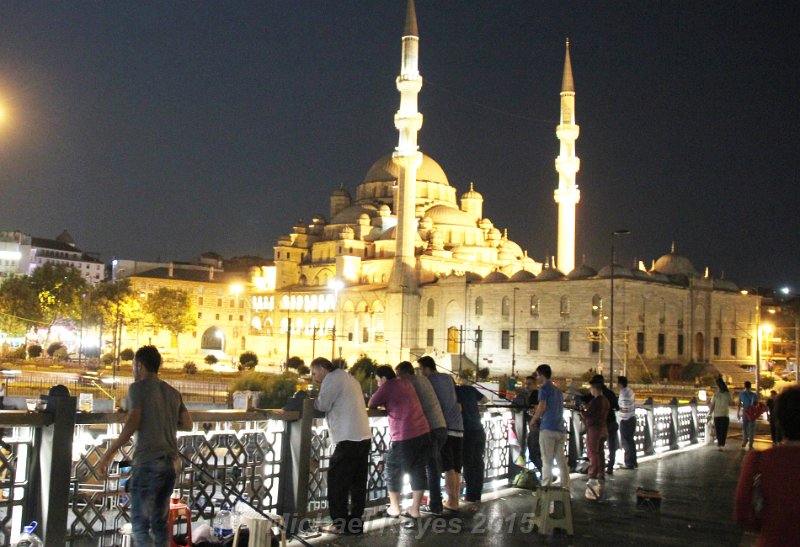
(350, 215)
(471, 193)
(674, 264)
(442, 214)
(386, 169)
(495, 277)
(509, 246)
(582, 272)
(341, 192)
(550, 274)
(523, 275)
(619, 271)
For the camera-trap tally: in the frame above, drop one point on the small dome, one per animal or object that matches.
(661, 278)
(725, 285)
(509, 246)
(523, 275)
(442, 214)
(495, 277)
(674, 264)
(550, 274)
(385, 169)
(350, 215)
(347, 233)
(471, 193)
(582, 272)
(485, 224)
(341, 192)
(384, 210)
(639, 274)
(426, 223)
(619, 271)
(363, 218)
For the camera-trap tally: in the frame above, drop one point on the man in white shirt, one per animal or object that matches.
(627, 422)
(342, 401)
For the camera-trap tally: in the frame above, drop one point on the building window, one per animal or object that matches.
(479, 306)
(662, 342)
(749, 347)
(219, 302)
(716, 346)
(533, 340)
(199, 300)
(216, 316)
(243, 345)
(199, 315)
(505, 338)
(733, 347)
(563, 340)
(597, 306)
(680, 344)
(505, 310)
(429, 338)
(230, 317)
(431, 307)
(534, 306)
(364, 335)
(640, 343)
(233, 303)
(241, 318)
(594, 345)
(565, 305)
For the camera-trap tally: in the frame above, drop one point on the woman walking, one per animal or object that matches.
(720, 410)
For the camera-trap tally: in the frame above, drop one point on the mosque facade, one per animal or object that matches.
(406, 266)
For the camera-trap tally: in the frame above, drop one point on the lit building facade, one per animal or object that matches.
(402, 268)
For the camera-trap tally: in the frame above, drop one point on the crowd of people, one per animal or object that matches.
(434, 427)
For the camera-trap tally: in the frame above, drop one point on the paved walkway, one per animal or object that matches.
(697, 486)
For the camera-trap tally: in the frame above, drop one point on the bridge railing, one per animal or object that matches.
(279, 459)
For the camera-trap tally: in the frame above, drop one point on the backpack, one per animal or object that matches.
(526, 479)
(754, 411)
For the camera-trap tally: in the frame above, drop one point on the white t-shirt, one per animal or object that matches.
(627, 400)
(341, 400)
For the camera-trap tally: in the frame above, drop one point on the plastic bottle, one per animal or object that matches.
(239, 508)
(28, 538)
(223, 527)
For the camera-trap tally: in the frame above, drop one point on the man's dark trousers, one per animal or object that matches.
(613, 429)
(347, 478)
(627, 429)
(474, 465)
(433, 469)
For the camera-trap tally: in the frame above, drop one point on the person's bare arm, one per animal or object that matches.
(185, 421)
(541, 407)
(132, 423)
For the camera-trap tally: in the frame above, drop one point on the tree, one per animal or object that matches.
(60, 291)
(19, 305)
(295, 362)
(248, 360)
(172, 310)
(109, 302)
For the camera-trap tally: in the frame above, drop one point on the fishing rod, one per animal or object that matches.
(232, 494)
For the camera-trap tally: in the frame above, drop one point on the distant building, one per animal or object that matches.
(21, 254)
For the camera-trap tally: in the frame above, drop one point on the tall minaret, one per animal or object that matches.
(408, 121)
(567, 164)
(402, 299)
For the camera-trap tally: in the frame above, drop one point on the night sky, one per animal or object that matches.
(151, 129)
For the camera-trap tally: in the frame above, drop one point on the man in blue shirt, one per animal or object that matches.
(747, 399)
(552, 430)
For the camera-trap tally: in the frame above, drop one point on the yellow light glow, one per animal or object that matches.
(766, 329)
(236, 289)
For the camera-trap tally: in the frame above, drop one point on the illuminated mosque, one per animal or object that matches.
(403, 267)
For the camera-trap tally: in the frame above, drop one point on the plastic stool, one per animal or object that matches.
(179, 510)
(561, 517)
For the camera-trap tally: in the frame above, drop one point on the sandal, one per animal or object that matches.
(332, 529)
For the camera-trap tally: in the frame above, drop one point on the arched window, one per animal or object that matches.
(505, 311)
(597, 306)
(564, 305)
(479, 306)
(431, 307)
(534, 306)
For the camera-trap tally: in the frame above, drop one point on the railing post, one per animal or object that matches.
(575, 449)
(300, 452)
(650, 428)
(674, 424)
(694, 430)
(521, 432)
(55, 462)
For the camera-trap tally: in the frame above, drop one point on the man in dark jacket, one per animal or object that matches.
(611, 422)
(527, 400)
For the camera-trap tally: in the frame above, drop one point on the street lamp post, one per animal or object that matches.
(514, 334)
(336, 285)
(614, 234)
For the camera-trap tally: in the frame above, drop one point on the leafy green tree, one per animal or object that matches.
(172, 310)
(126, 354)
(248, 360)
(19, 305)
(60, 291)
(295, 362)
(107, 302)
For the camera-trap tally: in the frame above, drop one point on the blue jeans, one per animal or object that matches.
(151, 486)
(748, 431)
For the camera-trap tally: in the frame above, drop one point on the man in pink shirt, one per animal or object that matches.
(409, 432)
